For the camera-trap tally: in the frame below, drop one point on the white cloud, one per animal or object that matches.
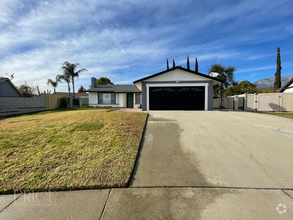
(258, 68)
(129, 39)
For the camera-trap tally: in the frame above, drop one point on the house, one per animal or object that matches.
(8, 89)
(174, 89)
(288, 87)
(127, 96)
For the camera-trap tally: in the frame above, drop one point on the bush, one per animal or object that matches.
(63, 102)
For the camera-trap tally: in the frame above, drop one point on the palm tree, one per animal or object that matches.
(70, 69)
(54, 83)
(66, 78)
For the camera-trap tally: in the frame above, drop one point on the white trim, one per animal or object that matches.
(206, 85)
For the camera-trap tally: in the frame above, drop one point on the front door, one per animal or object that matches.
(129, 100)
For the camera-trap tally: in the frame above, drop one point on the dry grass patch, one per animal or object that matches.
(69, 150)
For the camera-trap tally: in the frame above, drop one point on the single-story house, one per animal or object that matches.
(127, 96)
(288, 87)
(8, 89)
(174, 89)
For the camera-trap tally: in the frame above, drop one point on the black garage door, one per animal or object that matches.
(177, 98)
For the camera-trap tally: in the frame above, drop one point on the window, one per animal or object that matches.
(183, 89)
(169, 90)
(137, 98)
(106, 98)
(156, 90)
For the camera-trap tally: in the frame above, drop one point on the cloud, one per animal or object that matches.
(258, 68)
(126, 40)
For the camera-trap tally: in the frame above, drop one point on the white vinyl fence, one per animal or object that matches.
(268, 102)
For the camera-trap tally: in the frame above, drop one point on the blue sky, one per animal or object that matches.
(127, 40)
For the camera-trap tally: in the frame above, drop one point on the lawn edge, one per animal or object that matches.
(138, 153)
(268, 113)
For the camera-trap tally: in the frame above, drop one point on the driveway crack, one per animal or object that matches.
(252, 157)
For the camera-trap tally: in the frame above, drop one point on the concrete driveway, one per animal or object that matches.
(216, 149)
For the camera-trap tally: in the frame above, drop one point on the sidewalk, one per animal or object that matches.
(150, 203)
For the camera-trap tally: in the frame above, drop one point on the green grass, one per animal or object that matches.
(64, 150)
(281, 114)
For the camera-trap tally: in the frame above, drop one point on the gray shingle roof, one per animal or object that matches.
(115, 88)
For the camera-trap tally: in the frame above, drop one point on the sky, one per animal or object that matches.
(126, 40)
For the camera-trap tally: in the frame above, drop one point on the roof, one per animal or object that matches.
(3, 79)
(180, 68)
(66, 93)
(115, 88)
(287, 85)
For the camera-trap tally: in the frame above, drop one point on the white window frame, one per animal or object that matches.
(206, 85)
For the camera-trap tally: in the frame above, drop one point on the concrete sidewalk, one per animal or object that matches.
(150, 203)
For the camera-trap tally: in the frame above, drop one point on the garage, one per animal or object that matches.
(177, 98)
(177, 89)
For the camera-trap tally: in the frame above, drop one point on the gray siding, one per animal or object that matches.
(210, 92)
(6, 89)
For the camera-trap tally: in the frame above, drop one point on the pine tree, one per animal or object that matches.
(196, 65)
(188, 66)
(167, 64)
(174, 64)
(278, 82)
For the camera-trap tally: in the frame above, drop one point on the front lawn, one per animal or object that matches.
(281, 114)
(67, 150)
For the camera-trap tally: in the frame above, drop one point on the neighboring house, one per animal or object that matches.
(8, 89)
(288, 87)
(77, 95)
(174, 89)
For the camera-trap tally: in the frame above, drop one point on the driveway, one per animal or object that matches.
(216, 149)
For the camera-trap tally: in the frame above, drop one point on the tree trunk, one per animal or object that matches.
(70, 99)
(54, 91)
(68, 90)
(73, 88)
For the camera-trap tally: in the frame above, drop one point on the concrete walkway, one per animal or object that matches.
(192, 165)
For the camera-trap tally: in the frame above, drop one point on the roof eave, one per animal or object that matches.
(287, 85)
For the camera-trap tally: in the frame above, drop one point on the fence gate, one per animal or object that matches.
(223, 103)
(217, 103)
(241, 103)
